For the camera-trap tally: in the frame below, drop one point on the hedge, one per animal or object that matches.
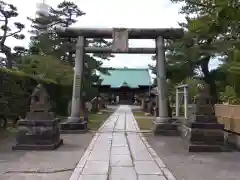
(16, 88)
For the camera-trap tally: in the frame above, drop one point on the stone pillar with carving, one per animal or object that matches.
(100, 104)
(75, 122)
(40, 129)
(202, 132)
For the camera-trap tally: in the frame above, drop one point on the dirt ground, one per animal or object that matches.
(195, 166)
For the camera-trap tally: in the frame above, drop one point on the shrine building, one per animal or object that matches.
(123, 84)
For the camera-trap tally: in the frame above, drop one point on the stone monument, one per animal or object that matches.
(202, 131)
(142, 104)
(146, 101)
(40, 129)
(149, 106)
(96, 104)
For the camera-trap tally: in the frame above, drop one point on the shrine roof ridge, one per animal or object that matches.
(133, 33)
(126, 68)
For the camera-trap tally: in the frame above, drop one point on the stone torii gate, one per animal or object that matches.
(120, 38)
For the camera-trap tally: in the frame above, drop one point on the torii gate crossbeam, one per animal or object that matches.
(120, 38)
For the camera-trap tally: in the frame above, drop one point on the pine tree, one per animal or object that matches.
(45, 43)
(210, 31)
(7, 12)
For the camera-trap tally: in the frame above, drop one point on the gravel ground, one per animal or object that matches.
(43, 165)
(195, 166)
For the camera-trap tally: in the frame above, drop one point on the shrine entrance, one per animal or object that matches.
(126, 95)
(120, 38)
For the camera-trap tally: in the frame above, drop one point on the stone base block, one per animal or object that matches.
(35, 147)
(232, 139)
(38, 135)
(74, 127)
(205, 119)
(167, 129)
(203, 137)
(208, 148)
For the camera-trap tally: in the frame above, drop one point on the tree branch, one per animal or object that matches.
(11, 34)
(193, 2)
(3, 13)
(3, 38)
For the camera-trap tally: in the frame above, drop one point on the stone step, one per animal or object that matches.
(206, 139)
(207, 142)
(205, 126)
(164, 132)
(208, 148)
(167, 126)
(35, 147)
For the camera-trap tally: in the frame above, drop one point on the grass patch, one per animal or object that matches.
(96, 120)
(144, 124)
(62, 118)
(139, 113)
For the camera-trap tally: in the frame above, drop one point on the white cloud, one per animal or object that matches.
(113, 13)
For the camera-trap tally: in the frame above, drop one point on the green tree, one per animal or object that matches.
(48, 67)
(179, 60)
(7, 13)
(209, 25)
(64, 15)
(45, 43)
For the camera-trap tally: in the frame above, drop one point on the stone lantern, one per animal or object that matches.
(202, 132)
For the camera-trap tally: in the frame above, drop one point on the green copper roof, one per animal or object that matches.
(126, 77)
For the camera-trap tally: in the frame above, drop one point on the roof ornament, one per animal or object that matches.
(124, 84)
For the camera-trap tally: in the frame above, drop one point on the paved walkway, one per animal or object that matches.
(119, 152)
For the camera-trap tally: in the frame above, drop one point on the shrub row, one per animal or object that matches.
(17, 87)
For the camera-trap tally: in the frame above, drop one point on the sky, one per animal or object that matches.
(113, 13)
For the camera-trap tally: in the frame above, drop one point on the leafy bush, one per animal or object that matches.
(47, 67)
(229, 96)
(17, 87)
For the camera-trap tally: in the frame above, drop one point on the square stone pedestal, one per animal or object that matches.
(74, 126)
(38, 135)
(167, 127)
(204, 137)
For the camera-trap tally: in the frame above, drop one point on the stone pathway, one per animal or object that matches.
(119, 152)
